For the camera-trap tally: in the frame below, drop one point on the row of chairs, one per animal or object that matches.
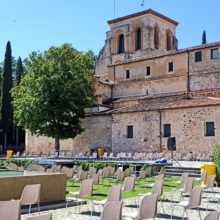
(187, 156)
(148, 205)
(11, 210)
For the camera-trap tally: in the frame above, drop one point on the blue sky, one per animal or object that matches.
(35, 25)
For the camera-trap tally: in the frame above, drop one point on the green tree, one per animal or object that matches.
(204, 37)
(52, 95)
(6, 99)
(18, 73)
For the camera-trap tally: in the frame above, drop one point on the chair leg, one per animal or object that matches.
(187, 214)
(29, 209)
(183, 213)
(38, 208)
(199, 214)
(92, 207)
(162, 206)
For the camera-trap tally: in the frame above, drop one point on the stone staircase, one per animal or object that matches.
(177, 171)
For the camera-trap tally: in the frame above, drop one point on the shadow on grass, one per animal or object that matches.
(94, 213)
(167, 216)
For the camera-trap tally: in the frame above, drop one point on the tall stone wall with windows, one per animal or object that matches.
(146, 133)
(188, 126)
(204, 74)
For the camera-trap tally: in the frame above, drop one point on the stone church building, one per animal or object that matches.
(147, 90)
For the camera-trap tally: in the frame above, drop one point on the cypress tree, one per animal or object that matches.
(19, 71)
(6, 99)
(204, 38)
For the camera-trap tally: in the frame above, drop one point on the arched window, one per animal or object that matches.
(138, 39)
(156, 37)
(121, 48)
(169, 40)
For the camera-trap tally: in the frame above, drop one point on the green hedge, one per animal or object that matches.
(216, 157)
(18, 162)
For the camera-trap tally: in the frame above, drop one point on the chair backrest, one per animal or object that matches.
(142, 174)
(10, 210)
(112, 210)
(31, 194)
(83, 175)
(211, 182)
(95, 178)
(157, 188)
(184, 177)
(86, 187)
(131, 170)
(120, 176)
(106, 172)
(129, 183)
(148, 171)
(160, 176)
(148, 207)
(112, 171)
(100, 172)
(127, 172)
(188, 186)
(195, 197)
(162, 170)
(114, 194)
(111, 155)
(212, 216)
(41, 217)
(119, 170)
(203, 175)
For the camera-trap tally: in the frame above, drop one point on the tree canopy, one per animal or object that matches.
(57, 86)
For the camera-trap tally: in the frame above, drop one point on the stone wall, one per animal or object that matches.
(150, 87)
(97, 133)
(187, 125)
(205, 74)
(145, 130)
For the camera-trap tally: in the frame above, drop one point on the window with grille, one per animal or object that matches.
(209, 129)
(167, 130)
(130, 131)
(170, 67)
(127, 74)
(214, 54)
(148, 71)
(198, 56)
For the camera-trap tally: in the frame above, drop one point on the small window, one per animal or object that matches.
(127, 74)
(167, 130)
(198, 56)
(209, 129)
(170, 67)
(148, 71)
(130, 131)
(138, 39)
(121, 48)
(214, 54)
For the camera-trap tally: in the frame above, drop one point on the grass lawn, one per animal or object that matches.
(101, 193)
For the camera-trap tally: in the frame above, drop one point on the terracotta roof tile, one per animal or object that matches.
(185, 103)
(196, 102)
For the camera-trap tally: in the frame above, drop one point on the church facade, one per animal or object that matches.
(147, 90)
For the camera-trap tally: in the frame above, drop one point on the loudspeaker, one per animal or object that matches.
(171, 143)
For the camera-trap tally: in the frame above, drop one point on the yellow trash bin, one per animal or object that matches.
(100, 152)
(9, 154)
(211, 170)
